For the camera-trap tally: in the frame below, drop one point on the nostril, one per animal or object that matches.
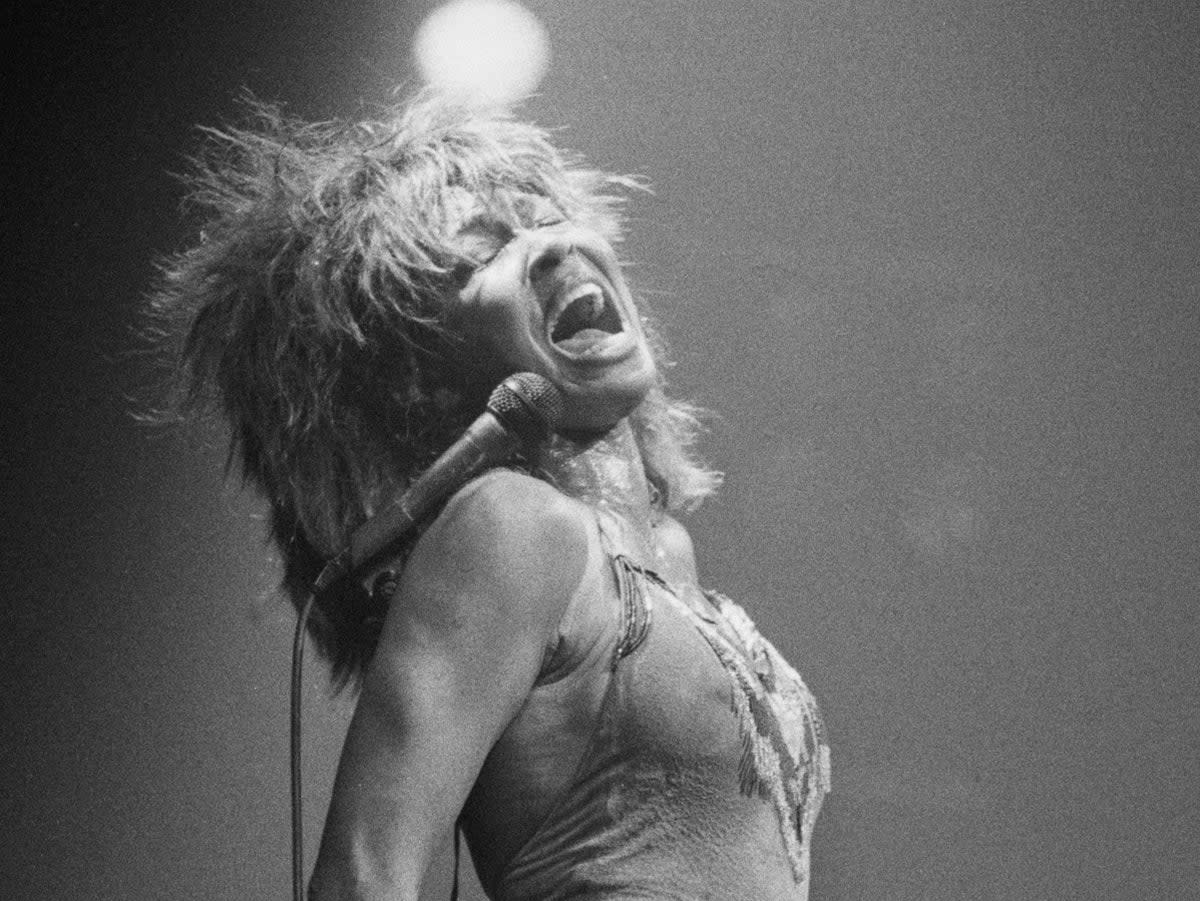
(547, 258)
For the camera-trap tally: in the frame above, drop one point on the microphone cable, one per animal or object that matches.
(522, 409)
(297, 794)
(334, 570)
(297, 791)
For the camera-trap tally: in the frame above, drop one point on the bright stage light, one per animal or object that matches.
(487, 51)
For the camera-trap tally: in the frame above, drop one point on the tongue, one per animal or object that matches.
(582, 339)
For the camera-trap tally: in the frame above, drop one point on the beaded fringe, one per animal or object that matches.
(636, 611)
(793, 779)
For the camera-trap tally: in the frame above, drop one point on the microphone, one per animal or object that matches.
(523, 409)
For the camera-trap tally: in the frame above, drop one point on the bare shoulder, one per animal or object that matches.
(505, 554)
(513, 518)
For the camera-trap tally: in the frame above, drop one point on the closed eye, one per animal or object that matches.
(482, 250)
(483, 245)
(481, 240)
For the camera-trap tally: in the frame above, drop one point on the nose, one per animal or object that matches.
(546, 253)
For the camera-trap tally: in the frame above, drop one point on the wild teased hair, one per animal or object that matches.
(309, 315)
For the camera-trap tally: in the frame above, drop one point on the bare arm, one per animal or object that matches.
(478, 606)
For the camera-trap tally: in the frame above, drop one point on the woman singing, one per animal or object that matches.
(536, 662)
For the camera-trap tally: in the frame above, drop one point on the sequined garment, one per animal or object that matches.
(705, 773)
(785, 757)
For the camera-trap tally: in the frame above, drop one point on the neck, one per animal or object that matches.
(605, 471)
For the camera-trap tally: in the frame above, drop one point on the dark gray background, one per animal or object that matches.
(935, 266)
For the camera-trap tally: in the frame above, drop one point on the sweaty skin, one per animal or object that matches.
(507, 582)
(507, 312)
(505, 586)
(595, 750)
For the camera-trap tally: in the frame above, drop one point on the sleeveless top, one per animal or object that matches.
(705, 772)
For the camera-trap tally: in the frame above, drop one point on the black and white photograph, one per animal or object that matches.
(672, 450)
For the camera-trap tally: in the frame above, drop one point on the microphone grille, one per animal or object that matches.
(528, 404)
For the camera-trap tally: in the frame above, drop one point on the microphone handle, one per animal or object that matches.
(486, 442)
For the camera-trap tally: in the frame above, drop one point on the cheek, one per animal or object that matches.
(490, 308)
(499, 339)
(508, 333)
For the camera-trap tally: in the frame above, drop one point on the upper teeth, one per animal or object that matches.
(583, 291)
(584, 306)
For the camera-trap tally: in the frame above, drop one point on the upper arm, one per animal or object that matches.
(486, 585)
(478, 604)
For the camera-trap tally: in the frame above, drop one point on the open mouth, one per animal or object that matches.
(587, 316)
